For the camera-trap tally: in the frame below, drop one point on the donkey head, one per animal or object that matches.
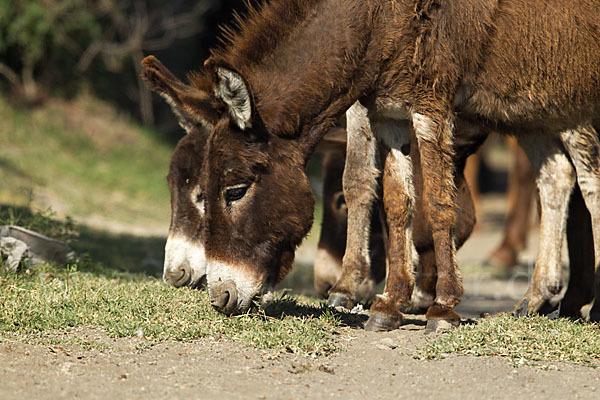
(185, 259)
(244, 203)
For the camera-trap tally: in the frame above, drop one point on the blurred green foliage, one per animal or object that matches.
(56, 47)
(36, 28)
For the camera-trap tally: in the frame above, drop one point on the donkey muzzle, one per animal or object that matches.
(178, 276)
(224, 297)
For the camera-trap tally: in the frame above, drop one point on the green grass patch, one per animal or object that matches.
(523, 340)
(85, 159)
(47, 299)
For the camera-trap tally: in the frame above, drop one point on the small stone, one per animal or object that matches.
(389, 343)
(327, 369)
(67, 367)
(139, 333)
(58, 350)
(443, 326)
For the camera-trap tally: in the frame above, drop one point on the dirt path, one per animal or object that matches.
(368, 368)
(374, 366)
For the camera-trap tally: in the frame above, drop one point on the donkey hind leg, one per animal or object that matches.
(583, 146)
(360, 187)
(521, 190)
(424, 291)
(398, 201)
(555, 181)
(434, 135)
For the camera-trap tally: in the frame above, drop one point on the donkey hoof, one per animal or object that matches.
(381, 323)
(522, 309)
(440, 325)
(594, 316)
(339, 300)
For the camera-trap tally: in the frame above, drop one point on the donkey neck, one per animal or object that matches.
(314, 71)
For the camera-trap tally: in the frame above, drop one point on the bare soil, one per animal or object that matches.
(370, 365)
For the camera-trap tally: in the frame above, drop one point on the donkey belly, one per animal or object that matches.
(541, 69)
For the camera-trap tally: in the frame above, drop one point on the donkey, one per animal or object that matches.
(273, 91)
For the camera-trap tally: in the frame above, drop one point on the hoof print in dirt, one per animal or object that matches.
(381, 323)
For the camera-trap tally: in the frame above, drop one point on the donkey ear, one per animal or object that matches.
(192, 106)
(232, 89)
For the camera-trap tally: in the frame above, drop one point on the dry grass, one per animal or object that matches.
(530, 340)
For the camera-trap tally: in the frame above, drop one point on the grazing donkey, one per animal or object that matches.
(528, 67)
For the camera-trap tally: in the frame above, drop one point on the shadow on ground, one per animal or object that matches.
(121, 252)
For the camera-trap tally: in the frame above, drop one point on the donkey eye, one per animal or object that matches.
(235, 193)
(199, 198)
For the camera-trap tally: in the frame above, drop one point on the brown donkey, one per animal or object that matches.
(287, 75)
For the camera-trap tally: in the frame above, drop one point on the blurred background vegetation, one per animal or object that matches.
(61, 47)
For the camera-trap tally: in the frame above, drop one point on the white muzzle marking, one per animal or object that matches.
(247, 285)
(178, 250)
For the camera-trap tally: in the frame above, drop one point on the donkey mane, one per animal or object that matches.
(274, 49)
(256, 34)
(253, 35)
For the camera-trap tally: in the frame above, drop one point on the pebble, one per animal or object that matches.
(389, 343)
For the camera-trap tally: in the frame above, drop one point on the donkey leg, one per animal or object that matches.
(398, 200)
(555, 180)
(583, 146)
(424, 291)
(434, 134)
(332, 241)
(521, 191)
(360, 185)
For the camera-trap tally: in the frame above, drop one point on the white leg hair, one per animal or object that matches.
(555, 181)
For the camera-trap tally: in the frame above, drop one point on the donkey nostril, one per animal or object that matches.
(179, 276)
(224, 297)
(221, 301)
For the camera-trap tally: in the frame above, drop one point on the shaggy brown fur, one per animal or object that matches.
(290, 73)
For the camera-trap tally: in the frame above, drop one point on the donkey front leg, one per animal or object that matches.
(555, 180)
(583, 147)
(399, 202)
(435, 138)
(360, 187)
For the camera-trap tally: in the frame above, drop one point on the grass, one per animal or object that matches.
(122, 296)
(528, 340)
(49, 299)
(84, 159)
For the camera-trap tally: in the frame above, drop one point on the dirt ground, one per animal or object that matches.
(371, 365)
